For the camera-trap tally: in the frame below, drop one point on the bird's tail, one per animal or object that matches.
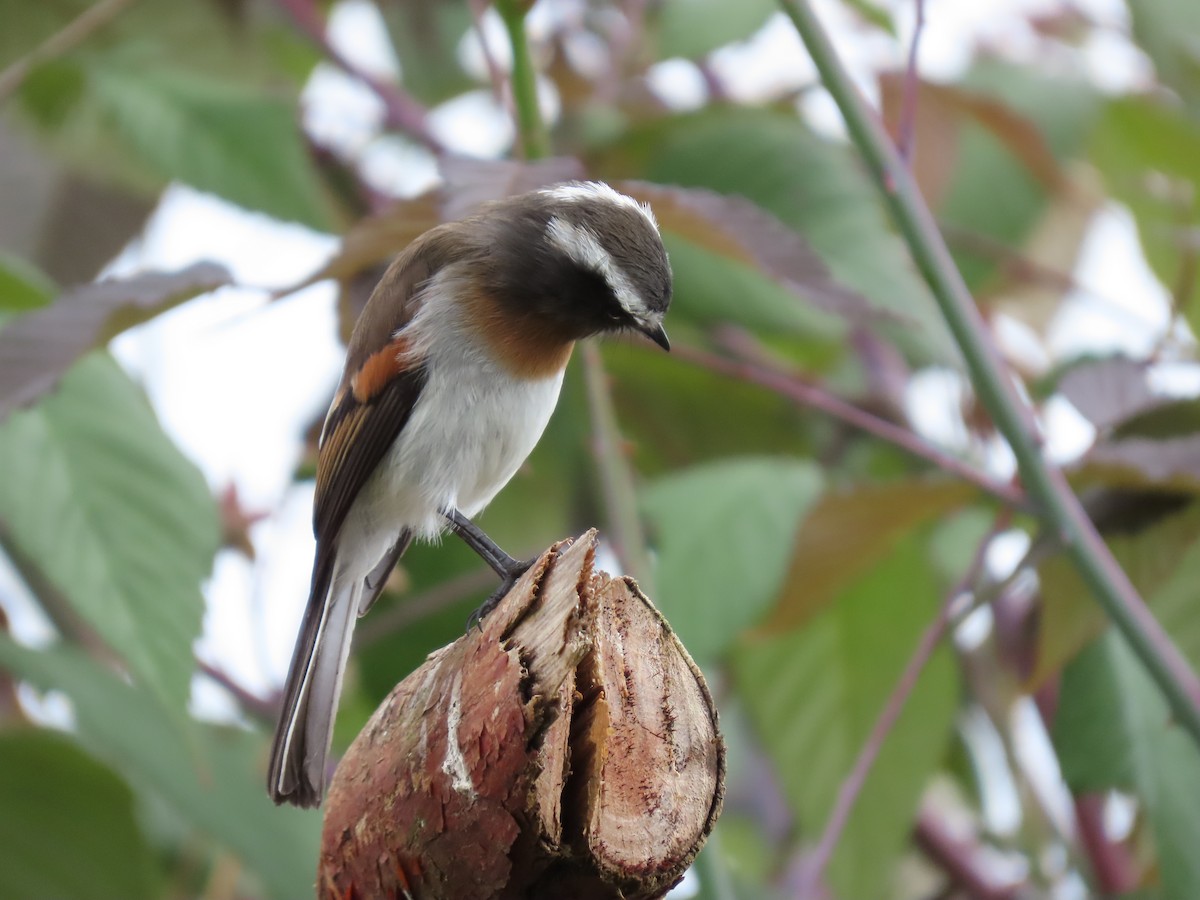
(302, 737)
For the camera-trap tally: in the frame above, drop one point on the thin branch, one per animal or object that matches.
(52, 601)
(1059, 507)
(616, 477)
(789, 385)
(908, 103)
(1113, 865)
(852, 785)
(63, 41)
(620, 495)
(254, 705)
(957, 859)
(496, 75)
(401, 111)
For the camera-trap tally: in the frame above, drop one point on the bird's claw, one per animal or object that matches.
(475, 620)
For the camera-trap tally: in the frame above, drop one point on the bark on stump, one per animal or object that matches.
(568, 750)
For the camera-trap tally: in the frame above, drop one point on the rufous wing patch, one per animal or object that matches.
(380, 368)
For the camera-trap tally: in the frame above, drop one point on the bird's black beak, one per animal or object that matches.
(656, 333)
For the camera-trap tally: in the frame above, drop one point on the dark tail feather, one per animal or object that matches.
(297, 770)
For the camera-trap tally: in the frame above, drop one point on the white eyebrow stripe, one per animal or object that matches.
(575, 191)
(584, 247)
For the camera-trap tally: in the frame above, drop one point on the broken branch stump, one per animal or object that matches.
(568, 749)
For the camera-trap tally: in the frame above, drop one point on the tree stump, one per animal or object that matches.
(569, 748)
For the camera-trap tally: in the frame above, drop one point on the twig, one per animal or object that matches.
(67, 38)
(908, 103)
(251, 703)
(616, 477)
(788, 385)
(1059, 507)
(957, 859)
(496, 75)
(531, 131)
(52, 601)
(717, 91)
(620, 495)
(852, 785)
(1113, 865)
(401, 111)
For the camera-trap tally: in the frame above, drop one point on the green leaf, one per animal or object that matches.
(712, 290)
(724, 533)
(1169, 419)
(22, 285)
(426, 37)
(872, 12)
(694, 28)
(1149, 154)
(1070, 618)
(719, 226)
(1169, 32)
(815, 694)
(239, 143)
(1175, 602)
(812, 185)
(666, 412)
(99, 502)
(213, 778)
(993, 193)
(1113, 730)
(67, 827)
(852, 529)
(217, 38)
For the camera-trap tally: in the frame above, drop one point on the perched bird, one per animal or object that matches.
(452, 372)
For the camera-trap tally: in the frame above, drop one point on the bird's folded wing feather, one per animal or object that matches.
(380, 387)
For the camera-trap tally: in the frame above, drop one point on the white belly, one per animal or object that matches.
(472, 428)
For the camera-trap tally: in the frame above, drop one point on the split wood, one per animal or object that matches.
(568, 749)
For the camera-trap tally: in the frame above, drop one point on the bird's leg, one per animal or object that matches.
(508, 568)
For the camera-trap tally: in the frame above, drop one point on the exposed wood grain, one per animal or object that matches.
(570, 748)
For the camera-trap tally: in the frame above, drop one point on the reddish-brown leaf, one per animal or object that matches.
(37, 348)
(941, 112)
(1109, 391)
(848, 532)
(472, 182)
(743, 232)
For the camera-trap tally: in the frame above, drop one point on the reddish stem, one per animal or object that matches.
(853, 783)
(788, 385)
(401, 111)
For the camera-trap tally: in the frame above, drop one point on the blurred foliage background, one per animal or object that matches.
(806, 485)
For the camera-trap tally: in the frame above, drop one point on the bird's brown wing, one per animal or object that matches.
(380, 387)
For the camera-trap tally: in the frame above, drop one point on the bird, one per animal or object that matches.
(452, 372)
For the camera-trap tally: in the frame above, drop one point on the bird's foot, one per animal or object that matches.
(511, 575)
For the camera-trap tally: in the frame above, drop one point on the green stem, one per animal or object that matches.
(1058, 507)
(532, 131)
(616, 477)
